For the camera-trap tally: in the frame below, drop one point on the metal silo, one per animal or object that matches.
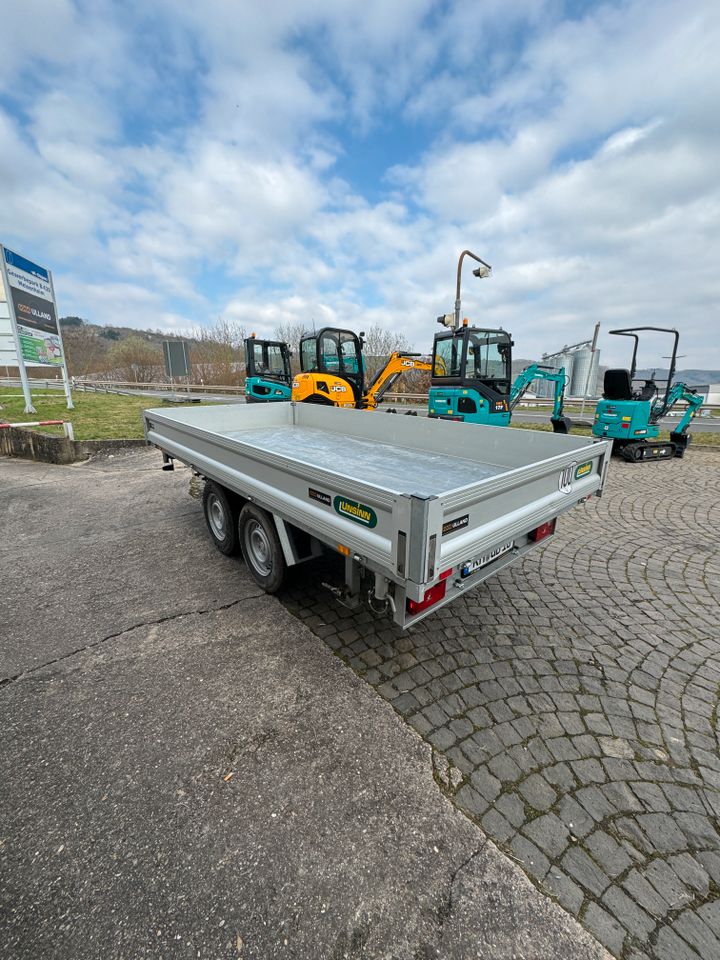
(583, 382)
(567, 360)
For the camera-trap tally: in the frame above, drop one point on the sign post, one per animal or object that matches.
(177, 358)
(29, 408)
(34, 324)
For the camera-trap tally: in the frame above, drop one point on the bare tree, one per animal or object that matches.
(135, 359)
(291, 334)
(217, 355)
(86, 353)
(379, 344)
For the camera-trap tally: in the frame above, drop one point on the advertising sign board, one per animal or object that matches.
(29, 300)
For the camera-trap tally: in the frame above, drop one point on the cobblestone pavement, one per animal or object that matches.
(572, 705)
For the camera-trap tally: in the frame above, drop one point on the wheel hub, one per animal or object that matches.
(258, 549)
(216, 515)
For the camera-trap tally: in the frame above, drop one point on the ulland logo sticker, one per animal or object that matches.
(450, 526)
(358, 512)
(583, 470)
(319, 496)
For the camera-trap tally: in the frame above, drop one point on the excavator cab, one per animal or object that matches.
(267, 370)
(472, 372)
(332, 369)
(631, 408)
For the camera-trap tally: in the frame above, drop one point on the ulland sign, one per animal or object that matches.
(37, 328)
(30, 333)
(33, 304)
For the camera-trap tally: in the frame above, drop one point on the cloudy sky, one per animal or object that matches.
(327, 161)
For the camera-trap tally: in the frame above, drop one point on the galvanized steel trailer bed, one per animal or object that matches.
(431, 508)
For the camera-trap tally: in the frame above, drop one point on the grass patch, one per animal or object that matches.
(97, 416)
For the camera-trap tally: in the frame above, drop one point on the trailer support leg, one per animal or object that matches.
(381, 587)
(352, 581)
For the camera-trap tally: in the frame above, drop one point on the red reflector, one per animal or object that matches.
(544, 530)
(433, 595)
(624, 426)
(446, 573)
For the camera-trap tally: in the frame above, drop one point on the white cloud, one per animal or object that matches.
(200, 175)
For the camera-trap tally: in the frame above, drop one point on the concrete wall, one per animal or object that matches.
(18, 442)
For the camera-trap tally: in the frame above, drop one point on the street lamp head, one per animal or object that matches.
(483, 271)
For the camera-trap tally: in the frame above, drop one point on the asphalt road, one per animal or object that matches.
(187, 771)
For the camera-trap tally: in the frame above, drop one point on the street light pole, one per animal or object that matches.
(484, 270)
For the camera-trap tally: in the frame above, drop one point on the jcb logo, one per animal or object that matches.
(337, 388)
(565, 483)
(407, 363)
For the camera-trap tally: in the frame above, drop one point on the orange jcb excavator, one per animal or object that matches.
(333, 371)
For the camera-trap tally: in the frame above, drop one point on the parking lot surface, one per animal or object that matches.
(571, 704)
(187, 771)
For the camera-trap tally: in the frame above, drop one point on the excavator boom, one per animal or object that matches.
(558, 378)
(388, 375)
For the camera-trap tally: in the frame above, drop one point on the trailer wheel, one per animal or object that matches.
(261, 548)
(221, 518)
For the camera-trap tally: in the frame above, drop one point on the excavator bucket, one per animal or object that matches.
(681, 441)
(562, 425)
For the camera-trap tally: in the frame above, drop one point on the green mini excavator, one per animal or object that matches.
(630, 409)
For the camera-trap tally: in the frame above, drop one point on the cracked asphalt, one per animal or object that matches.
(571, 704)
(186, 770)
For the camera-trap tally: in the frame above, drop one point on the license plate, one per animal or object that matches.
(472, 565)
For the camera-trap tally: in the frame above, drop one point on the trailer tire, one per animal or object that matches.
(221, 518)
(261, 548)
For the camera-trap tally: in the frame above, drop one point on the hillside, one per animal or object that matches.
(125, 353)
(112, 334)
(691, 377)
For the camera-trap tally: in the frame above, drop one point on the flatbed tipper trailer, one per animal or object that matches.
(422, 510)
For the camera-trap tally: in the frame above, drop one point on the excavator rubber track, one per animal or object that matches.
(643, 450)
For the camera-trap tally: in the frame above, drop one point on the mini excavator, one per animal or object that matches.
(630, 409)
(333, 371)
(471, 379)
(267, 370)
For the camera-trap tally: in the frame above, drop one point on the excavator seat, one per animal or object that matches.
(617, 385)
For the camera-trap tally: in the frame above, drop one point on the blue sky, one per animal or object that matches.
(327, 161)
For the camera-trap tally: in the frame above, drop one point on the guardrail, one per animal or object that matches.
(50, 383)
(79, 383)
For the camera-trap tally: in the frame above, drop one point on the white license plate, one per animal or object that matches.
(472, 565)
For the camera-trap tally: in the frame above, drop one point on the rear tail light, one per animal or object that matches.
(544, 530)
(446, 573)
(433, 595)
